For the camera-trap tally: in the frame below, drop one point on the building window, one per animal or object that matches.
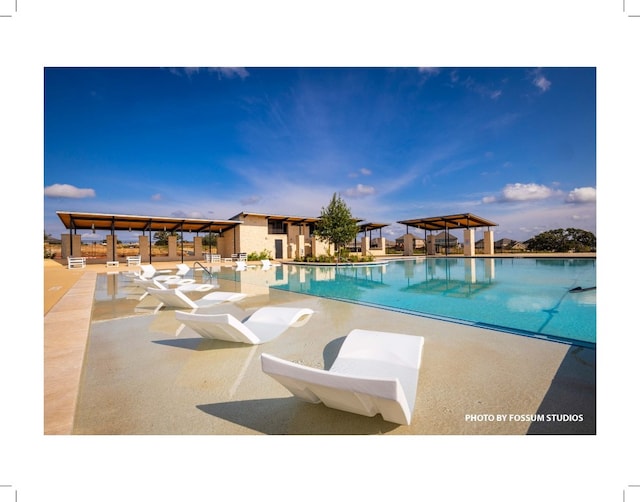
(277, 227)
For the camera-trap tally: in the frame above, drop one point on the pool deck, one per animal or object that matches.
(160, 382)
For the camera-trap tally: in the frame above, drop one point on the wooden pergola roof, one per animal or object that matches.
(366, 227)
(113, 222)
(453, 221)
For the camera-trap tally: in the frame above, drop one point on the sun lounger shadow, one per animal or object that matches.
(288, 415)
(197, 344)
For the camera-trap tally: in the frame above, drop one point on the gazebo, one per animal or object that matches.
(367, 245)
(465, 221)
(113, 222)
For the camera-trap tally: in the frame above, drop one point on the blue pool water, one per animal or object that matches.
(526, 296)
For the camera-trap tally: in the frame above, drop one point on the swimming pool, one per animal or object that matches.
(527, 296)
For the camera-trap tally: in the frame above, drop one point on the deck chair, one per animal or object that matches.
(148, 271)
(375, 372)
(180, 284)
(175, 298)
(183, 269)
(146, 283)
(178, 278)
(241, 265)
(267, 264)
(262, 326)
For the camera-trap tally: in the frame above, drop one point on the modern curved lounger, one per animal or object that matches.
(177, 299)
(149, 271)
(262, 326)
(375, 372)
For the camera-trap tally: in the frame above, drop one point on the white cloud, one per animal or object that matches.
(186, 214)
(429, 70)
(91, 237)
(540, 81)
(68, 191)
(534, 219)
(582, 195)
(521, 192)
(222, 72)
(360, 190)
(232, 72)
(362, 171)
(517, 192)
(156, 196)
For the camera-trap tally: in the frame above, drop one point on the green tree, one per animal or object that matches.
(162, 238)
(563, 240)
(210, 239)
(336, 224)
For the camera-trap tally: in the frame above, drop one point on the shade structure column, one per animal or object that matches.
(431, 244)
(364, 245)
(143, 246)
(488, 242)
(469, 242)
(173, 247)
(408, 245)
(112, 242)
(197, 248)
(71, 245)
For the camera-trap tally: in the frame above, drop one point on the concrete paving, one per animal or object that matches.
(128, 368)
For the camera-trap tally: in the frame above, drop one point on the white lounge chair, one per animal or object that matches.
(190, 285)
(266, 264)
(183, 269)
(178, 278)
(375, 372)
(177, 299)
(241, 265)
(146, 283)
(148, 271)
(262, 326)
(133, 260)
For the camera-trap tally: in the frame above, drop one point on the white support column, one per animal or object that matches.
(431, 244)
(488, 242)
(364, 246)
(469, 242)
(408, 245)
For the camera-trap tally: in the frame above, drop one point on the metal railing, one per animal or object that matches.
(204, 269)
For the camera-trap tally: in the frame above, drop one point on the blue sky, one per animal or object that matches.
(514, 145)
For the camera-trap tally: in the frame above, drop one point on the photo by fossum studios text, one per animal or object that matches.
(510, 417)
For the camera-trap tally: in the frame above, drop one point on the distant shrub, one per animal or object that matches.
(263, 255)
